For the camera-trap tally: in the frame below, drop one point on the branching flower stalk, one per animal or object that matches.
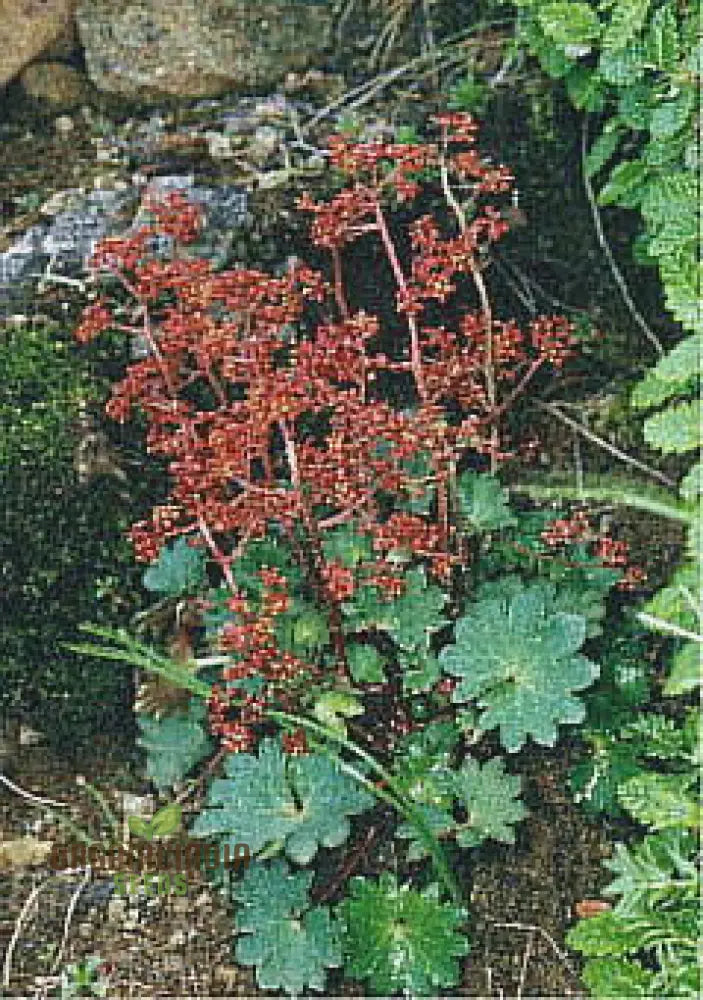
(252, 457)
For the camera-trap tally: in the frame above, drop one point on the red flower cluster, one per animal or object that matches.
(566, 531)
(553, 338)
(339, 581)
(175, 215)
(251, 638)
(94, 321)
(610, 552)
(295, 743)
(616, 554)
(250, 457)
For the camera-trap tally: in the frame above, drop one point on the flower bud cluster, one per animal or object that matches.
(239, 342)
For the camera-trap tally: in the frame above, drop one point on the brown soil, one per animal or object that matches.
(522, 898)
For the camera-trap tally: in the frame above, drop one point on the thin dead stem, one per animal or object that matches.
(533, 929)
(605, 246)
(69, 916)
(19, 924)
(605, 445)
(29, 796)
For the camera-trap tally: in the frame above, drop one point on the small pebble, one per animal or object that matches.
(219, 146)
(63, 124)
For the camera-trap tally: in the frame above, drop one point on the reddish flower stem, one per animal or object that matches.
(415, 353)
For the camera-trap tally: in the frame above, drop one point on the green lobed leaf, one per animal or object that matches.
(661, 800)
(260, 552)
(424, 774)
(347, 545)
(178, 569)
(685, 673)
(656, 920)
(604, 934)
(302, 801)
(673, 115)
(680, 601)
(674, 193)
(399, 939)
(368, 608)
(623, 67)
(489, 796)
(635, 107)
(626, 177)
(365, 664)
(174, 744)
(438, 819)
(614, 979)
(662, 39)
(682, 361)
(626, 21)
(412, 616)
(595, 780)
(291, 943)
(586, 89)
(483, 503)
(665, 152)
(660, 867)
(652, 391)
(663, 739)
(569, 23)
(581, 590)
(602, 150)
(421, 669)
(302, 629)
(691, 486)
(676, 429)
(518, 658)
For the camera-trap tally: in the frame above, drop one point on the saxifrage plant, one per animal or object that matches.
(328, 539)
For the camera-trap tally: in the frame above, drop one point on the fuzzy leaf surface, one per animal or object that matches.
(482, 502)
(291, 944)
(489, 796)
(346, 545)
(417, 612)
(178, 569)
(173, 745)
(425, 776)
(399, 939)
(519, 659)
(302, 801)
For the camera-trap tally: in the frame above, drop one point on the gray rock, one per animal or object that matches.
(66, 241)
(27, 28)
(190, 48)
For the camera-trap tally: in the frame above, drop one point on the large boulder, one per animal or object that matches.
(55, 84)
(198, 48)
(27, 28)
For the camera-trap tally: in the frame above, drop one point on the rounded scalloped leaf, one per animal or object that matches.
(302, 801)
(490, 799)
(291, 944)
(179, 568)
(399, 939)
(517, 657)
